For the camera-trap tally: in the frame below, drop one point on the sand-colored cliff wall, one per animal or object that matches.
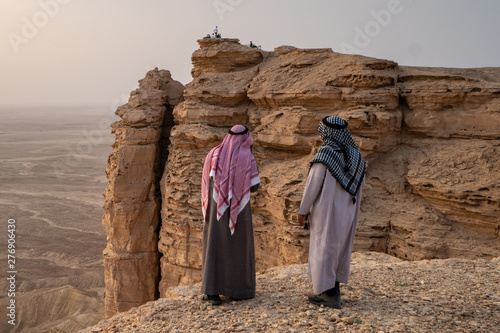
(430, 137)
(132, 199)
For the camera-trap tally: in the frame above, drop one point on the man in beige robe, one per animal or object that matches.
(332, 196)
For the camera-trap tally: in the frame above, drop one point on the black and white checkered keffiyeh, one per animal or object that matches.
(340, 154)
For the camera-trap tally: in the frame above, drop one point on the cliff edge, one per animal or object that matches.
(430, 137)
(384, 294)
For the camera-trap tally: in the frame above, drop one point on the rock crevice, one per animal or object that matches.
(133, 198)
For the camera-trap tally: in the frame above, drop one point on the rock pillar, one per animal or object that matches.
(132, 199)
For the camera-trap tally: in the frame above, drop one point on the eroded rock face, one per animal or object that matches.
(430, 137)
(132, 199)
(418, 128)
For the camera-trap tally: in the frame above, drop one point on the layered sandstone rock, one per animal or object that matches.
(430, 137)
(418, 128)
(132, 199)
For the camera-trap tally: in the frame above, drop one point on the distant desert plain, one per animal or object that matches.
(52, 163)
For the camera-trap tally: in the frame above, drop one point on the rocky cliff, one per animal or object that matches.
(430, 137)
(132, 199)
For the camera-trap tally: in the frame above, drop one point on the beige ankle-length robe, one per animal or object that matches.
(333, 219)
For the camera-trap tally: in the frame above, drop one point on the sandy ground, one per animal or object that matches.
(52, 178)
(384, 294)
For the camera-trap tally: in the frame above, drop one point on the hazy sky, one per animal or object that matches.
(92, 52)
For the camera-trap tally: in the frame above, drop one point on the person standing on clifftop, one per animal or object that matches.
(228, 257)
(333, 194)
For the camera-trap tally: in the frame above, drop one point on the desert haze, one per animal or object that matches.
(51, 182)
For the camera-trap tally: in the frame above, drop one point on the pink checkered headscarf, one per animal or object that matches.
(234, 170)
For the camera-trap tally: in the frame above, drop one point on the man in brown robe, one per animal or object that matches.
(229, 175)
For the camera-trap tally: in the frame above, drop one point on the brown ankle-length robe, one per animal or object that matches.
(228, 262)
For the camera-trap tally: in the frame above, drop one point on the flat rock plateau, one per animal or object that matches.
(384, 294)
